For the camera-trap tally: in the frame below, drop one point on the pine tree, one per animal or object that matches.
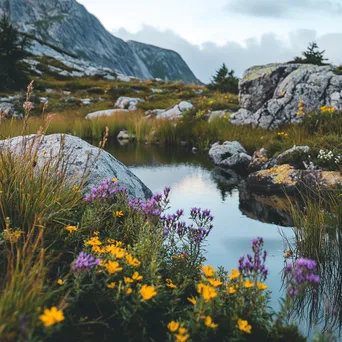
(12, 52)
(224, 81)
(312, 55)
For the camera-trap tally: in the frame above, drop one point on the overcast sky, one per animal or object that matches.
(240, 33)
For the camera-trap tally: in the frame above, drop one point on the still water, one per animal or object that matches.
(238, 215)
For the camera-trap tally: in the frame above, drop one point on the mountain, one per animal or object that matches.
(69, 26)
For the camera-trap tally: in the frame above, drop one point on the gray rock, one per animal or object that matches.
(295, 156)
(103, 113)
(194, 150)
(237, 161)
(219, 152)
(270, 95)
(129, 103)
(79, 157)
(175, 112)
(218, 114)
(123, 135)
(258, 160)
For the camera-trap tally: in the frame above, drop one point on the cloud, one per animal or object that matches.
(204, 59)
(283, 8)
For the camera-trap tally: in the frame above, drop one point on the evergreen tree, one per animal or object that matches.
(312, 55)
(224, 81)
(12, 52)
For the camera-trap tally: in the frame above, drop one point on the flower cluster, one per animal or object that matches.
(255, 264)
(194, 233)
(300, 108)
(327, 156)
(299, 275)
(180, 333)
(84, 262)
(153, 206)
(282, 134)
(327, 109)
(108, 189)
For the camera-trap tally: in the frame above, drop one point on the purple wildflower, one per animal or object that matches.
(300, 274)
(84, 262)
(107, 189)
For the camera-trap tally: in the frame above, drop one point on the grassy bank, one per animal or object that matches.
(86, 266)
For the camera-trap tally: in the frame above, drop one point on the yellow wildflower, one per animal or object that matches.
(43, 153)
(244, 326)
(132, 261)
(114, 179)
(71, 229)
(60, 282)
(98, 249)
(192, 300)
(248, 284)
(96, 233)
(206, 291)
(119, 213)
(208, 270)
(215, 282)
(170, 284)
(113, 267)
(261, 286)
(235, 274)
(173, 326)
(118, 252)
(182, 335)
(128, 280)
(209, 322)
(51, 316)
(111, 285)
(136, 276)
(94, 241)
(231, 290)
(147, 292)
(128, 291)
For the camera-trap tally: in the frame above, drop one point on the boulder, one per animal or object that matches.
(108, 112)
(176, 111)
(285, 178)
(218, 114)
(295, 156)
(79, 157)
(258, 160)
(129, 103)
(123, 135)
(275, 180)
(230, 154)
(270, 95)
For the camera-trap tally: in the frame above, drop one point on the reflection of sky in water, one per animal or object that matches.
(193, 187)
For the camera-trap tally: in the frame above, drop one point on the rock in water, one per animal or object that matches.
(80, 157)
(230, 154)
(270, 95)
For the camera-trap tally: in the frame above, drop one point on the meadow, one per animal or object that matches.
(95, 264)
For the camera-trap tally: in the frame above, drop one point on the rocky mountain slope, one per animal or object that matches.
(69, 26)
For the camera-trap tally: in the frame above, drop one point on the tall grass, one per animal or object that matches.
(317, 221)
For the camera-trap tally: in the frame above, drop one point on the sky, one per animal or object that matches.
(240, 33)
